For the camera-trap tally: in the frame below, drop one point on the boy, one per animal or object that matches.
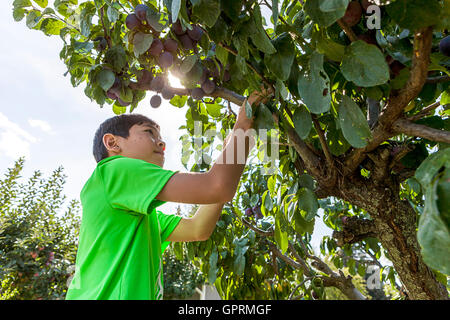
(122, 235)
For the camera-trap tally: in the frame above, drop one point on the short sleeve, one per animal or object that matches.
(132, 184)
(167, 223)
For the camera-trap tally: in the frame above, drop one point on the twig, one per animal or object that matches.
(438, 79)
(323, 141)
(107, 37)
(348, 30)
(424, 112)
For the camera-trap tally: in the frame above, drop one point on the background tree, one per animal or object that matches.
(38, 244)
(360, 110)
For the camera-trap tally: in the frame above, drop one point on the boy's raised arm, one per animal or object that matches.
(219, 184)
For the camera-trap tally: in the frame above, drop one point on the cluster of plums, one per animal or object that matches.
(255, 211)
(164, 53)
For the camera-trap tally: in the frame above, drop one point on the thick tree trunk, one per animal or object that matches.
(395, 227)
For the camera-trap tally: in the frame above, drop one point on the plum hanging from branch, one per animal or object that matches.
(352, 14)
(155, 101)
(132, 22)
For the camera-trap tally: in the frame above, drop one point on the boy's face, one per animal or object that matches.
(144, 142)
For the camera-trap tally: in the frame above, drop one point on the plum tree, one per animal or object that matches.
(332, 154)
(248, 212)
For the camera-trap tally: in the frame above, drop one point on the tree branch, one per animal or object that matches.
(354, 230)
(424, 111)
(348, 30)
(398, 99)
(418, 130)
(438, 79)
(323, 141)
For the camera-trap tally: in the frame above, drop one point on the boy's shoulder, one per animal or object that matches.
(120, 160)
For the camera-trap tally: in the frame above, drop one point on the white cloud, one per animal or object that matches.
(41, 124)
(14, 141)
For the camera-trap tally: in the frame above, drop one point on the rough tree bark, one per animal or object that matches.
(394, 224)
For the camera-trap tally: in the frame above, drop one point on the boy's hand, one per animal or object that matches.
(255, 98)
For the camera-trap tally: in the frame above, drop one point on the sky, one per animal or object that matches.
(50, 123)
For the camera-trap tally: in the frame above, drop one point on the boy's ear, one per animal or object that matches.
(110, 142)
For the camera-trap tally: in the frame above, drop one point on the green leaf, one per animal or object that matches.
(306, 181)
(332, 50)
(118, 109)
(41, 3)
(281, 237)
(153, 18)
(254, 200)
(33, 18)
(19, 13)
(364, 64)
(175, 9)
(414, 14)
(263, 118)
(301, 225)
(280, 62)
(426, 172)
(213, 269)
(271, 183)
(222, 55)
(314, 85)
(141, 43)
(267, 201)
(117, 57)
(307, 201)
(207, 11)
(325, 18)
(257, 34)
(433, 234)
(214, 109)
(248, 110)
(333, 5)
(22, 3)
(353, 123)
(112, 13)
(232, 8)
(188, 63)
(178, 101)
(105, 79)
(302, 121)
(51, 26)
(275, 12)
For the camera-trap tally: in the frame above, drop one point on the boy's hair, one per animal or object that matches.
(119, 126)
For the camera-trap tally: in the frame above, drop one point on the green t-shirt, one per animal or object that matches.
(122, 235)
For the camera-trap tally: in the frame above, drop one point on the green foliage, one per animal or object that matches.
(434, 226)
(37, 243)
(180, 276)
